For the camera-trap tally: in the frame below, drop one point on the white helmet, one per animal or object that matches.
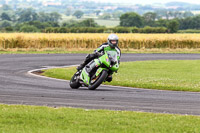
(113, 37)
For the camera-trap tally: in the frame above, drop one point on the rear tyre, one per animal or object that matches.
(74, 83)
(101, 78)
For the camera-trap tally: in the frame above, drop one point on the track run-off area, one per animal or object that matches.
(17, 86)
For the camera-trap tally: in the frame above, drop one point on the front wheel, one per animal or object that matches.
(74, 83)
(99, 80)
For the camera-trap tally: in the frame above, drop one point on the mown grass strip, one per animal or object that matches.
(84, 50)
(32, 119)
(176, 75)
(44, 51)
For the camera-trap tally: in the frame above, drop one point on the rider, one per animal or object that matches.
(111, 44)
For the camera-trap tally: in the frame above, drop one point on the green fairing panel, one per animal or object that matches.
(85, 77)
(104, 60)
(100, 70)
(115, 68)
(97, 61)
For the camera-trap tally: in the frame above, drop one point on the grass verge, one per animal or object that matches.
(23, 119)
(44, 51)
(176, 75)
(84, 50)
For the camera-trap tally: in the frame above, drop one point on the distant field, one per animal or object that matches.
(107, 23)
(102, 22)
(93, 40)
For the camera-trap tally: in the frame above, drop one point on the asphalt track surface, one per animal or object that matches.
(19, 87)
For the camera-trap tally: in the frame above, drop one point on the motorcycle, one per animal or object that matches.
(96, 72)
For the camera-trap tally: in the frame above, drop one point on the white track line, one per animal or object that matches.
(48, 67)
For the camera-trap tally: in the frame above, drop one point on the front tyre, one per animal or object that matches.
(74, 83)
(101, 78)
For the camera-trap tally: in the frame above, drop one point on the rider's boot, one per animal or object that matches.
(109, 78)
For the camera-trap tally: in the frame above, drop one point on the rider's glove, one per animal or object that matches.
(98, 54)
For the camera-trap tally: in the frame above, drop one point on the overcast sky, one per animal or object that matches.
(149, 1)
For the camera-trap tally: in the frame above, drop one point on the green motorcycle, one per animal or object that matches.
(96, 71)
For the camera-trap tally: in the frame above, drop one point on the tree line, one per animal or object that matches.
(149, 19)
(28, 20)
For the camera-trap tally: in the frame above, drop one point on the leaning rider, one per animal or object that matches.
(110, 45)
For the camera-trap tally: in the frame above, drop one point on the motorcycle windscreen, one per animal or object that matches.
(113, 58)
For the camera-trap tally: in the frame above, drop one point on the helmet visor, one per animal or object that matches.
(114, 42)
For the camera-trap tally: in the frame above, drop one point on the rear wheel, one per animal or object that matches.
(99, 80)
(74, 83)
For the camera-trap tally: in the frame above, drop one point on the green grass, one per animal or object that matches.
(34, 119)
(107, 23)
(189, 31)
(35, 51)
(176, 75)
(83, 50)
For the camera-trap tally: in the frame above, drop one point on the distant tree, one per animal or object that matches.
(5, 23)
(190, 23)
(78, 14)
(131, 19)
(187, 14)
(161, 23)
(9, 29)
(88, 23)
(178, 14)
(84, 23)
(186, 23)
(13, 17)
(53, 24)
(175, 14)
(64, 24)
(173, 26)
(44, 17)
(28, 28)
(38, 24)
(69, 23)
(5, 16)
(27, 15)
(195, 24)
(55, 17)
(149, 18)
